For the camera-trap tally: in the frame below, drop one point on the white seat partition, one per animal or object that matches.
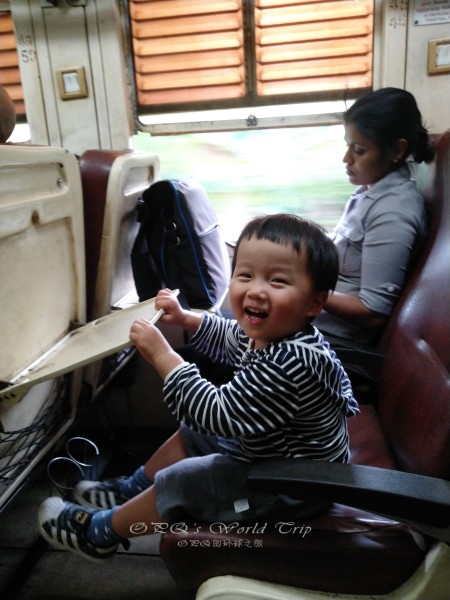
(42, 296)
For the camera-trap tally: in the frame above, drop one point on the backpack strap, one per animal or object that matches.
(145, 271)
(171, 246)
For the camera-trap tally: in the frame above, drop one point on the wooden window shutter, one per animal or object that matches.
(9, 63)
(313, 46)
(187, 51)
(207, 54)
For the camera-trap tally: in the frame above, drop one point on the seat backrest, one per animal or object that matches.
(414, 405)
(42, 293)
(112, 183)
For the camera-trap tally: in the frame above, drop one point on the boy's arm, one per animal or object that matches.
(192, 321)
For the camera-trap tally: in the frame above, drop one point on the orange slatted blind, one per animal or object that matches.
(192, 54)
(205, 53)
(187, 51)
(313, 46)
(9, 63)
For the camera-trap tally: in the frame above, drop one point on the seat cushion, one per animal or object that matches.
(352, 551)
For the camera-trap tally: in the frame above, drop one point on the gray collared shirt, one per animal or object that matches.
(377, 238)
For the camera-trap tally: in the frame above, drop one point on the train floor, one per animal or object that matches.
(30, 569)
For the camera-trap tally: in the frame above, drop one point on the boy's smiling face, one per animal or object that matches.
(271, 292)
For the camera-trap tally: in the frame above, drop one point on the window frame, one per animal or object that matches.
(289, 110)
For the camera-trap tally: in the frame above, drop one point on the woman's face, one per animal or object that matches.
(365, 162)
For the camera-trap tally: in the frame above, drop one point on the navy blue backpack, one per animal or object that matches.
(180, 245)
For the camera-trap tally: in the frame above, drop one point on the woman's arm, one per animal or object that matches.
(353, 309)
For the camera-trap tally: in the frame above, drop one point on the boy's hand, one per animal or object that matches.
(153, 346)
(174, 314)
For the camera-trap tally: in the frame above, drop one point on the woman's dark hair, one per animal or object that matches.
(302, 235)
(387, 115)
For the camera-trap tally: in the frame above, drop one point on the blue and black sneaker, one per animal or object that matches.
(64, 525)
(100, 494)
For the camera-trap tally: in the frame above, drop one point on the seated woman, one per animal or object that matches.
(384, 221)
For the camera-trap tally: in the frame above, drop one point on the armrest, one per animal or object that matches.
(421, 501)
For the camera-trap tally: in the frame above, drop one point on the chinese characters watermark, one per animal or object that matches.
(223, 530)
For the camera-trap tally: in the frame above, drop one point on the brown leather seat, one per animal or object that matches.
(95, 168)
(348, 550)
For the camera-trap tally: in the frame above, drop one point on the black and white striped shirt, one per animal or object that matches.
(289, 399)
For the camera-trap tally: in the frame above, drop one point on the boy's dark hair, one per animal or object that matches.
(302, 235)
(387, 115)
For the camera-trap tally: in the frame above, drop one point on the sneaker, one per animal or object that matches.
(64, 525)
(100, 494)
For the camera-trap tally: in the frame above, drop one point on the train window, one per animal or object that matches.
(222, 75)
(248, 173)
(191, 55)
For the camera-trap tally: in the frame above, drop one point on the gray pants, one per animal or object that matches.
(211, 486)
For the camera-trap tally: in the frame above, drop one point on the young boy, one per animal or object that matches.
(289, 398)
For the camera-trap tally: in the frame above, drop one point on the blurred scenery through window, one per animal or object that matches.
(249, 173)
